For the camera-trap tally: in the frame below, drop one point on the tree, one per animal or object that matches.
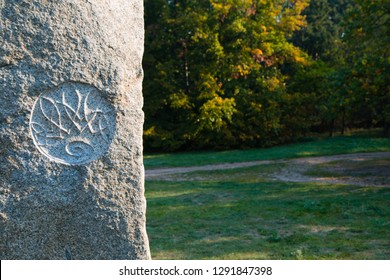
(324, 31)
(213, 71)
(364, 67)
(349, 41)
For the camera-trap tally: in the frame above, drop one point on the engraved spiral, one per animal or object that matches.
(79, 148)
(72, 124)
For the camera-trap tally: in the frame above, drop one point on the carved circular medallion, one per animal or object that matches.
(72, 124)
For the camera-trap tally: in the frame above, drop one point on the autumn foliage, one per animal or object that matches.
(245, 73)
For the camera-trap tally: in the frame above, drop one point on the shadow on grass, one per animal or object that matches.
(267, 220)
(327, 146)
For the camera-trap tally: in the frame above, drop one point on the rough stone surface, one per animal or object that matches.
(71, 169)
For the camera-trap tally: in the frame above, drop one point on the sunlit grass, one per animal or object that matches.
(245, 214)
(267, 220)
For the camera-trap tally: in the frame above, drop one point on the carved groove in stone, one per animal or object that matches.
(72, 124)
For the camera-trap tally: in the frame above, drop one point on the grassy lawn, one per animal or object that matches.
(328, 146)
(242, 214)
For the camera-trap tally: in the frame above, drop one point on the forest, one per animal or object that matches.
(229, 74)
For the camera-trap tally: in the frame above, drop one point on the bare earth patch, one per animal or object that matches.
(362, 169)
(372, 169)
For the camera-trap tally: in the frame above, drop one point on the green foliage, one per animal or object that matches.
(324, 31)
(366, 64)
(213, 71)
(251, 73)
(349, 41)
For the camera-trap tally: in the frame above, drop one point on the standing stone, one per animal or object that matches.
(71, 169)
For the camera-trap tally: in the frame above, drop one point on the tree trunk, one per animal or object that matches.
(331, 128)
(386, 128)
(343, 121)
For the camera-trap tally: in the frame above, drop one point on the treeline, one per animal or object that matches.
(252, 73)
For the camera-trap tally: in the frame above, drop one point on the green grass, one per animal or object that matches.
(328, 146)
(242, 214)
(246, 217)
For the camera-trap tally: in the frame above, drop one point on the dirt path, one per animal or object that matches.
(363, 169)
(160, 172)
(356, 169)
